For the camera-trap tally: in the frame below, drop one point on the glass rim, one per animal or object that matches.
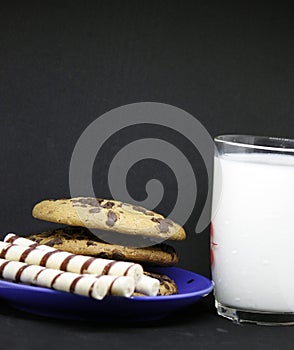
(232, 139)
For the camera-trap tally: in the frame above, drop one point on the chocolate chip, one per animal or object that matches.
(140, 209)
(164, 225)
(94, 202)
(84, 201)
(95, 210)
(108, 205)
(155, 220)
(157, 276)
(102, 255)
(111, 218)
(80, 205)
(166, 285)
(54, 241)
(89, 243)
(117, 255)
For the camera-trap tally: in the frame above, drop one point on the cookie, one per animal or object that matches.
(167, 285)
(79, 240)
(108, 215)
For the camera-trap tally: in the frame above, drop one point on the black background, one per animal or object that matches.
(63, 64)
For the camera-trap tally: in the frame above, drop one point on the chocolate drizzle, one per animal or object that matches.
(19, 272)
(86, 264)
(35, 245)
(12, 239)
(55, 279)
(25, 254)
(38, 274)
(128, 269)
(111, 285)
(73, 284)
(65, 262)
(46, 257)
(92, 287)
(4, 251)
(108, 267)
(2, 267)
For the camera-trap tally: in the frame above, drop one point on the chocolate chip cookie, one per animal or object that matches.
(108, 215)
(79, 240)
(167, 285)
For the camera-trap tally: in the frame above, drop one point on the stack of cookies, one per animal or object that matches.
(110, 229)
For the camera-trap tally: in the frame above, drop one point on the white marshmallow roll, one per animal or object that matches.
(148, 286)
(116, 268)
(14, 270)
(44, 277)
(15, 239)
(29, 272)
(88, 285)
(120, 286)
(18, 253)
(61, 260)
(83, 284)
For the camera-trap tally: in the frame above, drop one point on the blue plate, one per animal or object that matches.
(51, 303)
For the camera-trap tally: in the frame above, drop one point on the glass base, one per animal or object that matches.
(257, 317)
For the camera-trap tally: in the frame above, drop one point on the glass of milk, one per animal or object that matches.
(252, 229)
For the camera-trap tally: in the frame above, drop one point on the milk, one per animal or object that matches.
(253, 232)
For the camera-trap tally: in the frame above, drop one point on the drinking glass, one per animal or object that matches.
(252, 229)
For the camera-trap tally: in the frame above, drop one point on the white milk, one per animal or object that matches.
(253, 238)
